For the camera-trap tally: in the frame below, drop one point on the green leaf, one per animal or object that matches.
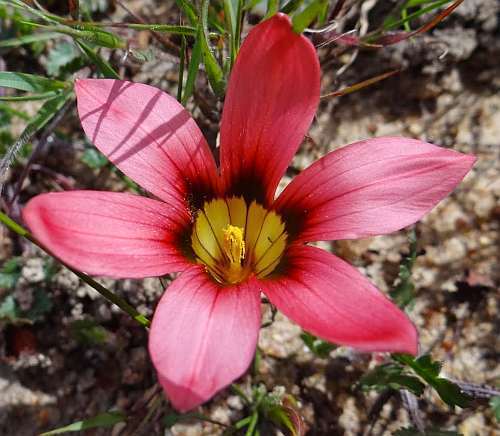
(164, 28)
(188, 8)
(30, 97)
(43, 116)
(319, 347)
(394, 23)
(495, 405)
(193, 68)
(429, 370)
(291, 6)
(426, 363)
(91, 34)
(29, 82)
(212, 67)
(450, 392)
(62, 54)
(29, 39)
(391, 375)
(232, 14)
(171, 419)
(102, 420)
(103, 66)
(94, 159)
(404, 290)
(250, 4)
(272, 8)
(41, 305)
(9, 309)
(10, 273)
(304, 18)
(277, 414)
(88, 332)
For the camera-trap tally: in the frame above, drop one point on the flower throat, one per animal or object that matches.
(235, 240)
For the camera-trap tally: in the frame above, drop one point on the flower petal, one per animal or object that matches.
(271, 99)
(369, 188)
(110, 234)
(203, 336)
(149, 136)
(329, 298)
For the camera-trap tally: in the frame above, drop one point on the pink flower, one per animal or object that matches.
(224, 231)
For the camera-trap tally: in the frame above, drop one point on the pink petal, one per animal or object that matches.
(271, 99)
(369, 188)
(329, 298)
(149, 136)
(110, 234)
(203, 336)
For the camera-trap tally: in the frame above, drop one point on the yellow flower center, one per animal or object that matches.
(235, 240)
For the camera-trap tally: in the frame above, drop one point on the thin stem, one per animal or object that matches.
(106, 293)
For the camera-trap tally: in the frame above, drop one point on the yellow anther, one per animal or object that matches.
(235, 240)
(234, 244)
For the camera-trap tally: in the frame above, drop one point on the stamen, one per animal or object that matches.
(234, 244)
(235, 240)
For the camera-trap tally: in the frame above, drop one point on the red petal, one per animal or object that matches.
(110, 234)
(329, 298)
(149, 136)
(369, 188)
(203, 336)
(271, 99)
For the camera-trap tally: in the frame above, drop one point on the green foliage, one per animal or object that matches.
(102, 65)
(189, 10)
(10, 272)
(393, 376)
(42, 304)
(29, 82)
(61, 55)
(88, 332)
(262, 405)
(93, 158)
(291, 6)
(193, 69)
(7, 114)
(29, 39)
(318, 347)
(103, 420)
(428, 370)
(212, 67)
(403, 293)
(49, 109)
(272, 8)
(405, 16)
(495, 405)
(10, 310)
(315, 10)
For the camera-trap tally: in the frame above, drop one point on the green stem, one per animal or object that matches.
(253, 424)
(106, 293)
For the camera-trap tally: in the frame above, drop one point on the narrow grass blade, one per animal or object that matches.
(102, 420)
(29, 82)
(193, 68)
(212, 67)
(29, 39)
(103, 66)
(44, 115)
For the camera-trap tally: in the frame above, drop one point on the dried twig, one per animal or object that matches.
(411, 405)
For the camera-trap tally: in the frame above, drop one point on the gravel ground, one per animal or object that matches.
(448, 95)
